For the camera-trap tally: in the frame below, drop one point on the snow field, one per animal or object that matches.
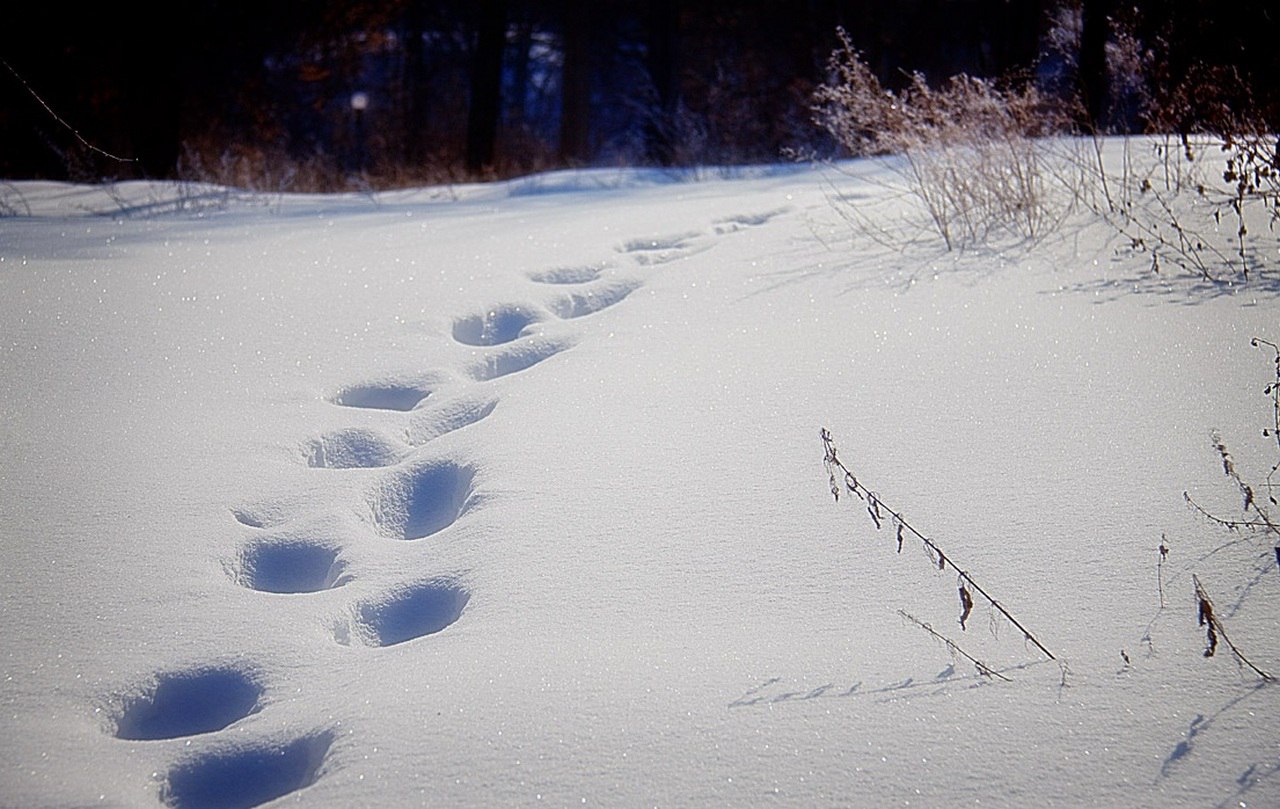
(518, 500)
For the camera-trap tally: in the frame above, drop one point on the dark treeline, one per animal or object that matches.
(314, 92)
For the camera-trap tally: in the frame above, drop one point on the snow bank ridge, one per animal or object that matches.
(567, 275)
(579, 304)
(519, 357)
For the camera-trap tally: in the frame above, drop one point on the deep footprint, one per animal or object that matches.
(405, 615)
(187, 703)
(499, 325)
(247, 777)
(518, 357)
(290, 566)
(421, 501)
(399, 396)
(590, 301)
(353, 448)
(566, 275)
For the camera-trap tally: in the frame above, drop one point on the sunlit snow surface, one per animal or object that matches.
(512, 494)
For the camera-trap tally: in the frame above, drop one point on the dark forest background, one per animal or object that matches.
(319, 94)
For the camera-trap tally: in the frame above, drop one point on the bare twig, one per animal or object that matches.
(1272, 390)
(66, 125)
(878, 511)
(983, 668)
(1214, 629)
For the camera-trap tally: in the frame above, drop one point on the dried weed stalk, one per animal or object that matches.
(1256, 516)
(881, 513)
(1255, 510)
(983, 668)
(1214, 630)
(973, 152)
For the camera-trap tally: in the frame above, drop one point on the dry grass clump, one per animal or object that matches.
(975, 155)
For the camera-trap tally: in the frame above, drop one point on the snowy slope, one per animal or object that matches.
(514, 495)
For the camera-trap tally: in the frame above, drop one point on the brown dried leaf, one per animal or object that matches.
(966, 605)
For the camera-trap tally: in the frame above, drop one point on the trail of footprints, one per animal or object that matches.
(415, 498)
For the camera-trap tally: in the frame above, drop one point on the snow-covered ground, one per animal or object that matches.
(513, 495)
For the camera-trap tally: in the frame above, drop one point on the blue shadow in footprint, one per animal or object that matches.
(246, 777)
(382, 396)
(421, 501)
(188, 703)
(499, 325)
(414, 612)
(290, 566)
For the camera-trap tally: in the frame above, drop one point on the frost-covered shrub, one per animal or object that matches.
(974, 154)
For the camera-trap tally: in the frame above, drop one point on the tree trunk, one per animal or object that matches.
(575, 84)
(1093, 79)
(486, 85)
(414, 86)
(664, 28)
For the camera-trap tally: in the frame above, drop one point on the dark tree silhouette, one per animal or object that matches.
(486, 85)
(575, 82)
(1093, 77)
(491, 87)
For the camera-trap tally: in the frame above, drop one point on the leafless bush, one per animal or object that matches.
(1206, 204)
(1256, 499)
(259, 169)
(976, 157)
(1206, 198)
(271, 170)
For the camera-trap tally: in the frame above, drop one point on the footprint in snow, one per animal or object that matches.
(498, 325)
(567, 275)
(289, 565)
(661, 250)
(245, 776)
(422, 500)
(367, 448)
(733, 224)
(189, 702)
(387, 394)
(580, 303)
(405, 614)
